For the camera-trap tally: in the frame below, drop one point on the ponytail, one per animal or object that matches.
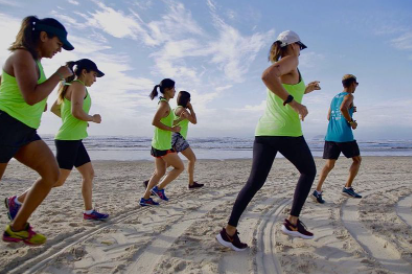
(64, 84)
(154, 92)
(164, 84)
(275, 52)
(29, 34)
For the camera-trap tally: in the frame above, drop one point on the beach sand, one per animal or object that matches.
(368, 235)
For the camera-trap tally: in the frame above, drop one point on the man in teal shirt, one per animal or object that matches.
(339, 137)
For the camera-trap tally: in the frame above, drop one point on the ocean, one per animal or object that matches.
(132, 148)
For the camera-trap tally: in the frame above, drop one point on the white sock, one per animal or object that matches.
(89, 211)
(17, 201)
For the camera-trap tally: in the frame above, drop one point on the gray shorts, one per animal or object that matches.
(178, 142)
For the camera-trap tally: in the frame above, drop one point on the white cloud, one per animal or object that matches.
(256, 108)
(404, 42)
(310, 59)
(10, 3)
(116, 23)
(73, 2)
(233, 52)
(9, 27)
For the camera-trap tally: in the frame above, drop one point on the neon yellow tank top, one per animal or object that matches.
(162, 139)
(184, 124)
(73, 128)
(279, 120)
(12, 101)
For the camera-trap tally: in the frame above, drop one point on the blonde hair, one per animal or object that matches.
(276, 51)
(348, 79)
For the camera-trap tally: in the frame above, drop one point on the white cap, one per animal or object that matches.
(289, 37)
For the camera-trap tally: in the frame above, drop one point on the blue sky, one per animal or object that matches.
(217, 50)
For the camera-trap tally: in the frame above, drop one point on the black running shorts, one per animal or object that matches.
(332, 150)
(14, 135)
(71, 153)
(160, 153)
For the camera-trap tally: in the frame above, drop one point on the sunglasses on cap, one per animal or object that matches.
(301, 45)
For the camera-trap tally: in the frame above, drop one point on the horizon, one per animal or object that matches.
(219, 56)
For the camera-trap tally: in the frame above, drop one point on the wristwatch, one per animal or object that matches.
(288, 100)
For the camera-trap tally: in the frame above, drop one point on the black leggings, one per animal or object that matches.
(265, 149)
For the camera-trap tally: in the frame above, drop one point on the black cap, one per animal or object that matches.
(60, 33)
(89, 65)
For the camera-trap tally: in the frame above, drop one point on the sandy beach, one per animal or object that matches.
(368, 235)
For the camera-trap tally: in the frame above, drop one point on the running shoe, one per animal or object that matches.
(317, 197)
(160, 193)
(232, 242)
(27, 236)
(351, 192)
(298, 230)
(195, 185)
(148, 202)
(95, 216)
(12, 207)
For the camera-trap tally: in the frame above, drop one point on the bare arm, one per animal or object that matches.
(329, 114)
(192, 117)
(25, 71)
(78, 92)
(271, 78)
(56, 109)
(344, 108)
(160, 113)
(188, 114)
(312, 86)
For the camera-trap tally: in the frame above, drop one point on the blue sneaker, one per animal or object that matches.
(351, 192)
(160, 193)
(12, 207)
(95, 216)
(148, 202)
(317, 196)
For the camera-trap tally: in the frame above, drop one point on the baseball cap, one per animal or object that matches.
(60, 33)
(288, 37)
(89, 65)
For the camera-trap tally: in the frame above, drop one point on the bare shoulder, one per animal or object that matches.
(18, 58)
(179, 111)
(350, 96)
(76, 89)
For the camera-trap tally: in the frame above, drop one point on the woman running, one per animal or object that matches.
(162, 145)
(184, 114)
(23, 95)
(72, 106)
(279, 130)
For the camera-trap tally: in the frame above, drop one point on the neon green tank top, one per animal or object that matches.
(12, 101)
(279, 120)
(73, 128)
(184, 124)
(162, 139)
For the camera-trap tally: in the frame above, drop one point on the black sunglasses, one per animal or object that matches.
(301, 45)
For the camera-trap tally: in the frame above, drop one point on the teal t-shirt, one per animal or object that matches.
(339, 129)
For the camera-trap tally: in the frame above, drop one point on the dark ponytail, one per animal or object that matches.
(183, 98)
(29, 34)
(164, 84)
(63, 87)
(154, 92)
